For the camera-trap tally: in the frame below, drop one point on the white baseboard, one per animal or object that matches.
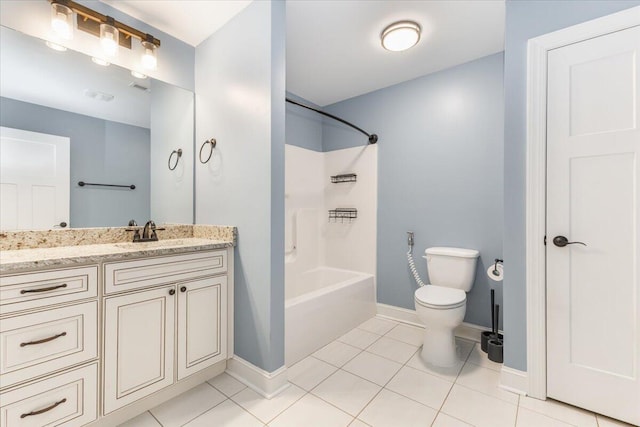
(467, 331)
(514, 380)
(399, 314)
(267, 384)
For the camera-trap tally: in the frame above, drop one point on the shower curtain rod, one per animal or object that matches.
(373, 138)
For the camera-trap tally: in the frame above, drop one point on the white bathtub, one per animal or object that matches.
(323, 304)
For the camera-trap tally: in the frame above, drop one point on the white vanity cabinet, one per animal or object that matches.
(202, 324)
(165, 319)
(69, 399)
(99, 344)
(138, 345)
(49, 347)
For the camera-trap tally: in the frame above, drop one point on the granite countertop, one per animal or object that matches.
(64, 256)
(30, 250)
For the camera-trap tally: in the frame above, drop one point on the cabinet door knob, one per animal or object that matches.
(172, 291)
(183, 289)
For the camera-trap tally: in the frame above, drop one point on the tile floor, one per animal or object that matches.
(372, 376)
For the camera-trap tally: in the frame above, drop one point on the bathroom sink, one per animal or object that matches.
(169, 243)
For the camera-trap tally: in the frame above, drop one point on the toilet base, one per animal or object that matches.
(439, 348)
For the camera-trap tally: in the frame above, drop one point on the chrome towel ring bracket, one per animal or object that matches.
(178, 152)
(213, 144)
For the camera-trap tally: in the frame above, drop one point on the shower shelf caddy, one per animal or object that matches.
(347, 177)
(342, 214)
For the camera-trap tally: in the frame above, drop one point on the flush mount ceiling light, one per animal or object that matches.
(113, 34)
(400, 36)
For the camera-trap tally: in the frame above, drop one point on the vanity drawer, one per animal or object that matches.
(67, 399)
(32, 290)
(38, 343)
(128, 275)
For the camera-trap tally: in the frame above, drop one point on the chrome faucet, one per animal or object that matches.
(149, 226)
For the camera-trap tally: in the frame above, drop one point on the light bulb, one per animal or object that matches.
(62, 20)
(109, 37)
(109, 46)
(56, 46)
(100, 61)
(149, 58)
(138, 75)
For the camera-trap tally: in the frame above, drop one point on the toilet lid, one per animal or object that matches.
(440, 296)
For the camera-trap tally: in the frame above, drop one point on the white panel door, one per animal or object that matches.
(34, 180)
(202, 324)
(593, 181)
(139, 333)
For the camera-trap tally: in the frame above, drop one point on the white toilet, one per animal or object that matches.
(441, 304)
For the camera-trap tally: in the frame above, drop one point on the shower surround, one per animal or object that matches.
(329, 266)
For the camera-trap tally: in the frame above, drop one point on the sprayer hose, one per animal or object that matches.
(414, 271)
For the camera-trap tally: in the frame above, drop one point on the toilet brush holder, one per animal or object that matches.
(495, 350)
(485, 337)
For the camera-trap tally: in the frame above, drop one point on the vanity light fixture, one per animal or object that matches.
(56, 46)
(138, 75)
(62, 20)
(109, 36)
(100, 61)
(400, 36)
(113, 34)
(149, 57)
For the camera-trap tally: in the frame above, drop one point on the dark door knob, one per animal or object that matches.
(561, 242)
(172, 291)
(183, 289)
(61, 225)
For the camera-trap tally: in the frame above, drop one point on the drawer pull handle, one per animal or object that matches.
(42, 411)
(24, 344)
(51, 288)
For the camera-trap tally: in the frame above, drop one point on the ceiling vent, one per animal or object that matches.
(98, 96)
(139, 87)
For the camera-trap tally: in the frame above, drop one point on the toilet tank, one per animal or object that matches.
(452, 267)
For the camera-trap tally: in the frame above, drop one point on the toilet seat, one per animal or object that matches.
(440, 297)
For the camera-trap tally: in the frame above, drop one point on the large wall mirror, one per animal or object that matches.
(67, 120)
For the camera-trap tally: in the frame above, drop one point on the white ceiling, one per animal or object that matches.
(334, 51)
(333, 46)
(186, 20)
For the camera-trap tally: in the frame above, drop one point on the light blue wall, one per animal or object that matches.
(439, 171)
(525, 20)
(278, 132)
(303, 127)
(240, 102)
(172, 128)
(101, 151)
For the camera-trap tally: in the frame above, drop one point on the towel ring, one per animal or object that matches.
(179, 153)
(213, 143)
